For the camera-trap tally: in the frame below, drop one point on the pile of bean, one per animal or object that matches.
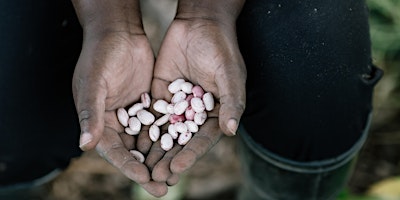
(184, 113)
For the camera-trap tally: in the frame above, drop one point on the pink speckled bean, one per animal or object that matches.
(197, 91)
(176, 118)
(189, 113)
(146, 100)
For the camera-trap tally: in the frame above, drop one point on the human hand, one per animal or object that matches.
(203, 51)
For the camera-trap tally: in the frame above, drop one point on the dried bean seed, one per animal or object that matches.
(145, 117)
(122, 116)
(137, 155)
(208, 101)
(175, 86)
(180, 107)
(180, 127)
(187, 87)
(178, 96)
(161, 106)
(166, 142)
(162, 120)
(184, 138)
(129, 131)
(197, 105)
(136, 107)
(192, 126)
(134, 124)
(154, 132)
(197, 91)
(171, 130)
(176, 118)
(146, 100)
(200, 118)
(189, 113)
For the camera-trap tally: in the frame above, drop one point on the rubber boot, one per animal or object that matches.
(269, 176)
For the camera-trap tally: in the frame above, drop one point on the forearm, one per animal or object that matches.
(210, 9)
(109, 15)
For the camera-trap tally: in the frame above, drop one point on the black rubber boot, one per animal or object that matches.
(268, 176)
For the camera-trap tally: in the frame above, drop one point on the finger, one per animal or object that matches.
(111, 148)
(90, 107)
(155, 154)
(144, 142)
(159, 89)
(232, 97)
(173, 180)
(128, 140)
(161, 171)
(157, 189)
(202, 141)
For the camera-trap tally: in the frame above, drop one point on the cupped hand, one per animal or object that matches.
(204, 52)
(113, 70)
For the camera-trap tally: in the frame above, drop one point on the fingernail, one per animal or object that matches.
(232, 126)
(85, 138)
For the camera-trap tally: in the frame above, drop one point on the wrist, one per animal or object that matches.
(103, 16)
(220, 11)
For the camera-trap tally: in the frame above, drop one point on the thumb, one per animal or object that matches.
(90, 103)
(231, 84)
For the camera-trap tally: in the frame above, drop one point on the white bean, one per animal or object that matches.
(187, 87)
(129, 131)
(200, 118)
(166, 142)
(161, 106)
(133, 109)
(145, 117)
(122, 116)
(171, 130)
(170, 108)
(180, 107)
(145, 99)
(184, 138)
(208, 101)
(162, 120)
(192, 126)
(197, 104)
(154, 133)
(178, 96)
(137, 155)
(175, 86)
(180, 127)
(134, 124)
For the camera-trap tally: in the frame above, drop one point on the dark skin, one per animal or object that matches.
(117, 65)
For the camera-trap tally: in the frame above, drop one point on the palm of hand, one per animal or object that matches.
(200, 53)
